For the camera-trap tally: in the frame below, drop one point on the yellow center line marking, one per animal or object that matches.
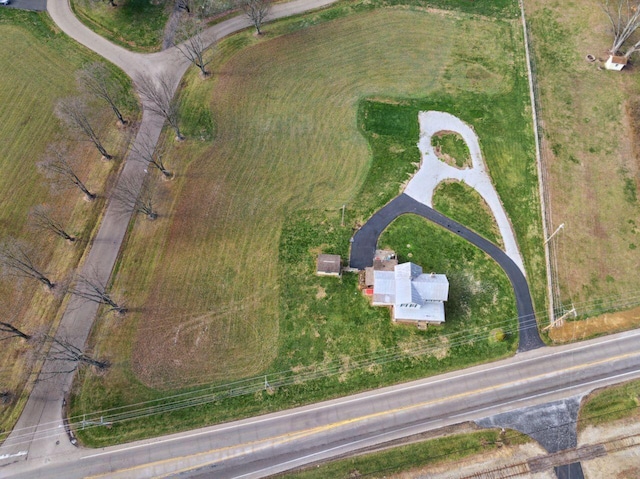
(249, 447)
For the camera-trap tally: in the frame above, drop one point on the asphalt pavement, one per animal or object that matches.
(265, 445)
(365, 240)
(35, 5)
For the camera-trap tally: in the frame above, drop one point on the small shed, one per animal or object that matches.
(615, 63)
(329, 265)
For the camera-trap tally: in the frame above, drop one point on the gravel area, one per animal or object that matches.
(621, 464)
(433, 171)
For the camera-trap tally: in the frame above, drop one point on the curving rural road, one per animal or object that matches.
(256, 447)
(30, 439)
(364, 243)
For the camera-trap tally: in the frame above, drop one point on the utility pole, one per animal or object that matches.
(560, 320)
(554, 233)
(342, 222)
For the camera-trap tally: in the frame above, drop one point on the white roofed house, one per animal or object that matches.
(414, 296)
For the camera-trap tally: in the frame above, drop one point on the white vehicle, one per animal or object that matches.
(5, 2)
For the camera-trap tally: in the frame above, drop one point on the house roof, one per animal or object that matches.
(433, 287)
(414, 295)
(328, 264)
(384, 287)
(431, 312)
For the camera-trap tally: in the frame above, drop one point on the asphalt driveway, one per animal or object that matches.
(366, 238)
(36, 5)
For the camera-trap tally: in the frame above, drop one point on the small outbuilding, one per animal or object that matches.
(329, 265)
(615, 63)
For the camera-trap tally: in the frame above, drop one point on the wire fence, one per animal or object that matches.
(543, 153)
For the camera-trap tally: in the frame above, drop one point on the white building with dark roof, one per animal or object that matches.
(415, 297)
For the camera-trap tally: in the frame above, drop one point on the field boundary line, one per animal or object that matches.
(546, 220)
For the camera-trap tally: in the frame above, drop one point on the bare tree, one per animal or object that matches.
(41, 218)
(91, 289)
(184, 5)
(190, 42)
(110, 2)
(257, 11)
(96, 79)
(158, 96)
(134, 194)
(63, 350)
(151, 155)
(206, 8)
(19, 260)
(74, 112)
(624, 17)
(60, 169)
(12, 331)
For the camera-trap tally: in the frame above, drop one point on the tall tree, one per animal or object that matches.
(96, 79)
(43, 219)
(151, 155)
(94, 290)
(190, 42)
(60, 169)
(624, 17)
(158, 96)
(19, 260)
(135, 194)
(75, 113)
(257, 11)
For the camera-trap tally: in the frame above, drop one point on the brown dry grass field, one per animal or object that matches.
(590, 147)
(31, 87)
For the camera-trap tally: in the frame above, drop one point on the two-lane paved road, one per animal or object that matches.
(264, 445)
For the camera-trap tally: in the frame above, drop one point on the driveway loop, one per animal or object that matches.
(434, 171)
(363, 246)
(417, 198)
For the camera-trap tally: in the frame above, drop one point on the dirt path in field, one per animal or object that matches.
(40, 432)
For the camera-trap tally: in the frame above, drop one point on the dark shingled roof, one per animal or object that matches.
(329, 264)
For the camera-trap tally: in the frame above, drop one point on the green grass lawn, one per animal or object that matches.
(611, 404)
(137, 25)
(451, 148)
(412, 457)
(44, 73)
(465, 205)
(300, 122)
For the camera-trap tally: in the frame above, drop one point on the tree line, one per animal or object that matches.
(21, 258)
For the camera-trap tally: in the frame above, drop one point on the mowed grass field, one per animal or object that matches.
(38, 68)
(286, 139)
(213, 284)
(591, 121)
(137, 25)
